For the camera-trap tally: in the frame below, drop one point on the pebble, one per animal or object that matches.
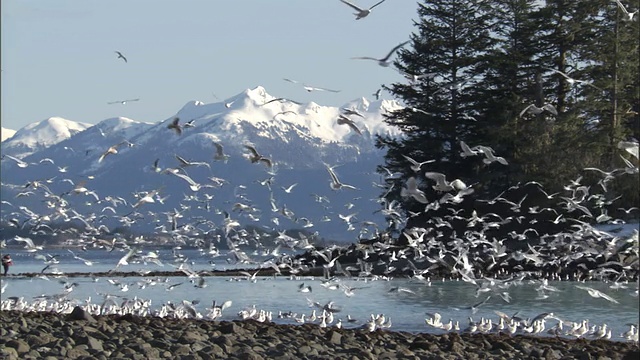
(51, 335)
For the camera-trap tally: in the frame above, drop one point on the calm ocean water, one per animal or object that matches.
(451, 299)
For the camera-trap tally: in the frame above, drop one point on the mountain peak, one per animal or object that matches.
(257, 95)
(6, 133)
(42, 134)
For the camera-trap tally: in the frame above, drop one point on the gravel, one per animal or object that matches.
(41, 335)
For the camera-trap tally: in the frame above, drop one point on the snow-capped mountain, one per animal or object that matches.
(40, 135)
(6, 134)
(121, 159)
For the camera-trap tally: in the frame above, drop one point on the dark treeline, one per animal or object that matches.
(474, 66)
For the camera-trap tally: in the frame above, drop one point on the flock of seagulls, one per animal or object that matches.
(475, 257)
(472, 253)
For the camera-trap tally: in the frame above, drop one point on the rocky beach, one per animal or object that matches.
(79, 335)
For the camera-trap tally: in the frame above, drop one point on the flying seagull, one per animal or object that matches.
(533, 109)
(123, 102)
(413, 191)
(311, 88)
(120, 56)
(175, 125)
(335, 182)
(377, 94)
(384, 62)
(111, 150)
(256, 157)
(571, 80)
(415, 166)
(442, 184)
(361, 13)
(220, 155)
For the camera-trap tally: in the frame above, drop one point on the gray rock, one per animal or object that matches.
(9, 353)
(90, 342)
(95, 344)
(79, 313)
(334, 337)
(20, 346)
(181, 349)
(229, 328)
(77, 352)
(190, 337)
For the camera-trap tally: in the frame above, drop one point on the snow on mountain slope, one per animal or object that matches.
(298, 138)
(6, 133)
(41, 134)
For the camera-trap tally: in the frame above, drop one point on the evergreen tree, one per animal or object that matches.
(511, 84)
(476, 66)
(452, 38)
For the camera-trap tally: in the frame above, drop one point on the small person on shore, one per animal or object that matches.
(6, 262)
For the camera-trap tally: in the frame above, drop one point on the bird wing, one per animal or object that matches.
(376, 4)
(175, 125)
(253, 150)
(366, 58)
(412, 184)
(334, 178)
(624, 9)
(550, 108)
(219, 149)
(121, 56)
(312, 88)
(437, 177)
(182, 161)
(413, 162)
(607, 297)
(185, 177)
(525, 110)
(465, 147)
(353, 127)
(266, 161)
(353, 6)
(394, 50)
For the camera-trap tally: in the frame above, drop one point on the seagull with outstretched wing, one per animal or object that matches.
(361, 13)
(384, 62)
(175, 125)
(120, 56)
(123, 102)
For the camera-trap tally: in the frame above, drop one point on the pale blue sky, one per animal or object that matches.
(58, 56)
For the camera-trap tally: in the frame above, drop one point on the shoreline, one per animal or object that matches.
(46, 335)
